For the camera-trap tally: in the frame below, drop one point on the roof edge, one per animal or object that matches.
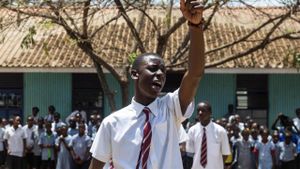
(207, 71)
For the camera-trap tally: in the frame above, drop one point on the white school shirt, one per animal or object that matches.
(265, 160)
(30, 135)
(217, 145)
(120, 134)
(183, 137)
(2, 138)
(296, 121)
(15, 141)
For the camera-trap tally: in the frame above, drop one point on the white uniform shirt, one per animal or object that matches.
(30, 135)
(15, 141)
(265, 154)
(297, 122)
(120, 134)
(183, 137)
(217, 145)
(2, 138)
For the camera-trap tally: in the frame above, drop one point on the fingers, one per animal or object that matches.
(183, 5)
(197, 4)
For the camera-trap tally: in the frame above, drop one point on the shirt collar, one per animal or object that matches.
(139, 107)
(206, 127)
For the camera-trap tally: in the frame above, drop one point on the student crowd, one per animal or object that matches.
(47, 142)
(255, 146)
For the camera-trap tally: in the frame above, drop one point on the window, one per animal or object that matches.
(252, 97)
(11, 94)
(87, 93)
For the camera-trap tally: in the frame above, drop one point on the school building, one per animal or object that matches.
(55, 72)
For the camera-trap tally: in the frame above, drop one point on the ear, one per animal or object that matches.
(134, 74)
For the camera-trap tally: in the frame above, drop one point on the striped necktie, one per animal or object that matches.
(203, 157)
(145, 146)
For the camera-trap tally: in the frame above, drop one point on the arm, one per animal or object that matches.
(274, 124)
(256, 154)
(190, 81)
(6, 145)
(273, 156)
(73, 154)
(89, 144)
(57, 144)
(24, 146)
(96, 164)
(235, 154)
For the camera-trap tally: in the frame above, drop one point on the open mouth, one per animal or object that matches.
(157, 84)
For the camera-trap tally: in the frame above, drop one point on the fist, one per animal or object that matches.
(189, 5)
(192, 10)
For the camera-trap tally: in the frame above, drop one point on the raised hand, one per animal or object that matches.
(192, 10)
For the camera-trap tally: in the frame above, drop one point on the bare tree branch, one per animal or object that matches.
(130, 25)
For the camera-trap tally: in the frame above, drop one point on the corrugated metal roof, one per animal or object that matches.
(53, 49)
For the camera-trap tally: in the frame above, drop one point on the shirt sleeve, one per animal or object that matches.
(190, 147)
(6, 135)
(88, 141)
(41, 140)
(71, 142)
(183, 137)
(57, 141)
(1, 135)
(24, 135)
(225, 143)
(175, 105)
(101, 147)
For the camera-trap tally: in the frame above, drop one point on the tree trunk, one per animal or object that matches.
(105, 88)
(87, 48)
(125, 93)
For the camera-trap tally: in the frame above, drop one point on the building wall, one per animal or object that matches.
(284, 95)
(219, 91)
(114, 85)
(44, 89)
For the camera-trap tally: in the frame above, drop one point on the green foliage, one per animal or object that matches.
(70, 41)
(132, 57)
(28, 40)
(48, 24)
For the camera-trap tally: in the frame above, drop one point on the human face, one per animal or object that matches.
(275, 137)
(81, 129)
(30, 122)
(245, 135)
(16, 122)
(48, 126)
(288, 139)
(265, 136)
(237, 118)
(150, 79)
(298, 114)
(64, 130)
(204, 113)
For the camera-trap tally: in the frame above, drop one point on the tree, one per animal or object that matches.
(79, 19)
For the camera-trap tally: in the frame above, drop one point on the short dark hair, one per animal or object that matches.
(36, 109)
(56, 114)
(51, 108)
(138, 60)
(297, 110)
(207, 105)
